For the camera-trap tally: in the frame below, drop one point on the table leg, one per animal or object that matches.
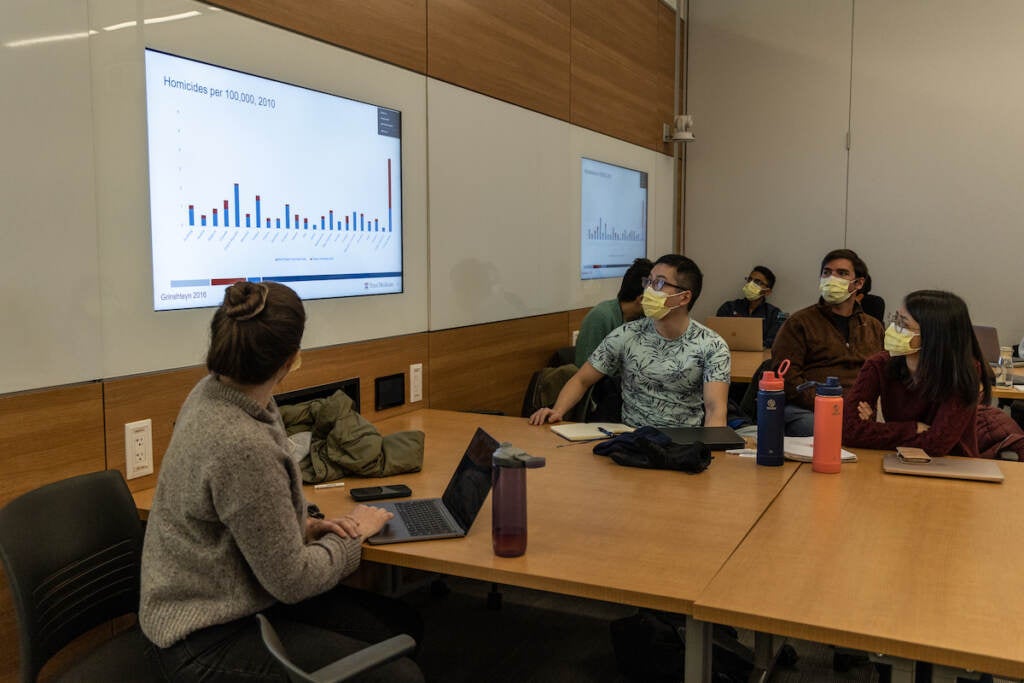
(698, 651)
(764, 657)
(902, 669)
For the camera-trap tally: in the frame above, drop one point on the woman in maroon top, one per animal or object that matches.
(927, 379)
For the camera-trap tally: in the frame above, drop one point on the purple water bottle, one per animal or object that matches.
(508, 499)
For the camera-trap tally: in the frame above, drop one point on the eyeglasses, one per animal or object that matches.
(660, 283)
(760, 283)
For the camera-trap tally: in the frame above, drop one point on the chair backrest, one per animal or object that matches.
(72, 552)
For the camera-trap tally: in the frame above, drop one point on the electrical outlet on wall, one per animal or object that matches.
(138, 448)
(415, 382)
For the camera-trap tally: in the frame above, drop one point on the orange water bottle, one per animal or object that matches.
(828, 425)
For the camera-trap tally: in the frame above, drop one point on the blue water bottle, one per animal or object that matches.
(771, 419)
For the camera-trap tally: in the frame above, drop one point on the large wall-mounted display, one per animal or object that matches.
(613, 218)
(254, 179)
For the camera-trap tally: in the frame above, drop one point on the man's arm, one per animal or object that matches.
(790, 343)
(569, 396)
(716, 403)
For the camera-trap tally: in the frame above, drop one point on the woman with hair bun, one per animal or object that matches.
(928, 379)
(228, 534)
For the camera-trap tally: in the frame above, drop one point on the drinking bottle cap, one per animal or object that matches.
(830, 387)
(508, 455)
(772, 380)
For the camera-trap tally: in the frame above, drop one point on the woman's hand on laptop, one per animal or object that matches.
(364, 520)
(545, 415)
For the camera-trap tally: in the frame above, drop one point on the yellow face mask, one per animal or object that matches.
(654, 306)
(752, 291)
(834, 290)
(897, 341)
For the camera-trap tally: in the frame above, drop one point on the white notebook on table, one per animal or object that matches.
(589, 431)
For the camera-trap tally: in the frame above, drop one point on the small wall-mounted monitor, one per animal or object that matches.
(254, 179)
(613, 218)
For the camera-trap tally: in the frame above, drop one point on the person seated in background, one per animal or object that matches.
(927, 379)
(872, 304)
(674, 371)
(754, 304)
(830, 338)
(229, 533)
(607, 315)
(599, 321)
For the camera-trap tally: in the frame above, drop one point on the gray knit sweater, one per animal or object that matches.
(225, 537)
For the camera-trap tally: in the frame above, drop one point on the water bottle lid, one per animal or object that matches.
(508, 455)
(830, 387)
(772, 380)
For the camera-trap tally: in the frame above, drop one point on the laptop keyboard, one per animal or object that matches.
(422, 518)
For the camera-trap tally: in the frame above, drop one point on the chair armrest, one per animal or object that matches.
(365, 659)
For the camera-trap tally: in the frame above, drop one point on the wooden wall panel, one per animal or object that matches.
(615, 70)
(576, 319)
(487, 367)
(45, 436)
(367, 361)
(159, 396)
(513, 51)
(49, 435)
(394, 31)
(156, 396)
(665, 67)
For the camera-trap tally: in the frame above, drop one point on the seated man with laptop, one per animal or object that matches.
(675, 371)
(754, 304)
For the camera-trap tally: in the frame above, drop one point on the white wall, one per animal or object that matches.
(505, 209)
(935, 167)
(768, 85)
(500, 238)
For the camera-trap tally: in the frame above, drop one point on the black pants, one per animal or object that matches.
(314, 632)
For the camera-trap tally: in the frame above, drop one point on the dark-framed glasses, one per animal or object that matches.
(660, 283)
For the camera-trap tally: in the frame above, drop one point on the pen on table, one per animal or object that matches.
(605, 431)
(331, 485)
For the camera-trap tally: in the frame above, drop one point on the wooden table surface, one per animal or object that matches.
(1010, 393)
(650, 538)
(745, 363)
(926, 569)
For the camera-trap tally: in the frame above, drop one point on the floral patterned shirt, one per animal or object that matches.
(663, 379)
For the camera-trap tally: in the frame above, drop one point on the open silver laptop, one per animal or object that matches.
(947, 467)
(741, 334)
(451, 515)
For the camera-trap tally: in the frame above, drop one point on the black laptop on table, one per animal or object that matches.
(451, 515)
(715, 438)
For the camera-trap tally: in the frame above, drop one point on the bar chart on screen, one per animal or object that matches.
(255, 179)
(613, 218)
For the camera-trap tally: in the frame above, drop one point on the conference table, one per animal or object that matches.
(1004, 393)
(911, 567)
(649, 538)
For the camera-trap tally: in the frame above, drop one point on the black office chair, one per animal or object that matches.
(343, 669)
(72, 552)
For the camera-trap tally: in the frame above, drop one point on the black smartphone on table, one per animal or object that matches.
(380, 492)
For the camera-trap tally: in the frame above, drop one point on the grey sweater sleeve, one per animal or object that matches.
(256, 506)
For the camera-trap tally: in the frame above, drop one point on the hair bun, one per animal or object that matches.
(245, 300)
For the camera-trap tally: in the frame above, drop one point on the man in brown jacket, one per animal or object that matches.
(831, 338)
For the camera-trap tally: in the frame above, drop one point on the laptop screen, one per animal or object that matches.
(471, 482)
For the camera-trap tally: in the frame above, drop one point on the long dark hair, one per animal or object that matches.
(950, 362)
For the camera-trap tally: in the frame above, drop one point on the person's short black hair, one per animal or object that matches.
(688, 275)
(860, 269)
(866, 289)
(768, 275)
(631, 287)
